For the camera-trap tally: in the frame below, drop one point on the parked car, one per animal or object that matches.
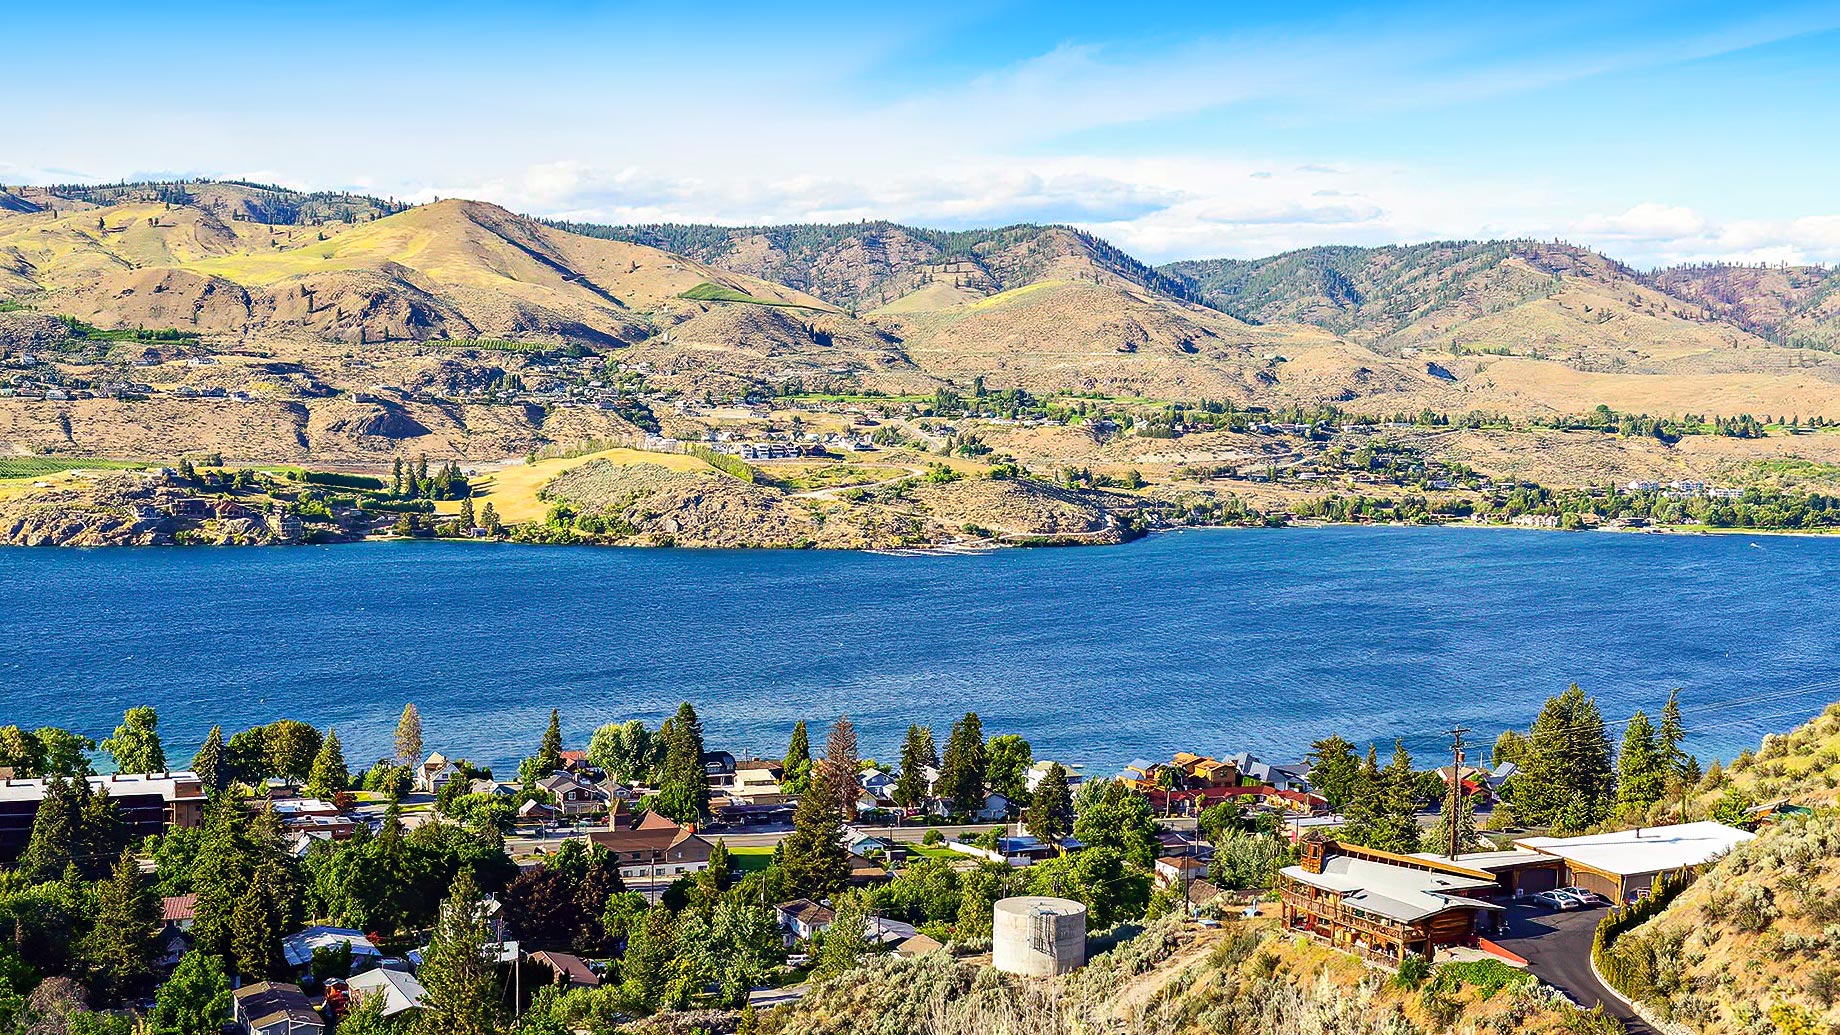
(1585, 895)
(1559, 901)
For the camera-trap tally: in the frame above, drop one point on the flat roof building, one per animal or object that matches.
(150, 803)
(1625, 862)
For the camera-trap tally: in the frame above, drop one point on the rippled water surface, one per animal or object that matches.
(1213, 641)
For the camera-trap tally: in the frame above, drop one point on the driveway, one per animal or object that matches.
(1557, 947)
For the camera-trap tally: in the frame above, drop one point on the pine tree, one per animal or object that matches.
(208, 763)
(1672, 733)
(917, 756)
(548, 758)
(462, 993)
(261, 918)
(1437, 839)
(136, 743)
(467, 518)
(488, 518)
(119, 949)
(961, 778)
(1335, 771)
(1568, 765)
(330, 775)
(812, 856)
(409, 737)
(796, 775)
(841, 766)
(1050, 814)
(683, 787)
(1642, 767)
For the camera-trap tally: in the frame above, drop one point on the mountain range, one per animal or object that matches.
(1516, 326)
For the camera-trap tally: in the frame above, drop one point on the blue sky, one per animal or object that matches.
(1659, 132)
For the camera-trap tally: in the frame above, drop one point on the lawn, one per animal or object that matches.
(752, 858)
(512, 490)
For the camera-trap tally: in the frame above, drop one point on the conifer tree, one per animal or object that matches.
(1437, 839)
(548, 758)
(917, 756)
(409, 737)
(812, 856)
(462, 995)
(1568, 764)
(1335, 771)
(796, 775)
(1642, 767)
(119, 948)
(488, 518)
(208, 763)
(1050, 814)
(330, 774)
(961, 777)
(467, 518)
(683, 786)
(1672, 732)
(841, 763)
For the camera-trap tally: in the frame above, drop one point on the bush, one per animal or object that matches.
(344, 481)
(1413, 970)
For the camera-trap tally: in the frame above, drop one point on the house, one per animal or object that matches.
(756, 780)
(878, 784)
(434, 774)
(802, 919)
(298, 948)
(538, 812)
(1022, 850)
(1380, 905)
(274, 1008)
(1202, 893)
(1625, 863)
(178, 911)
(574, 796)
(1177, 870)
(570, 971)
(1033, 777)
(148, 804)
(1282, 777)
(1141, 774)
(655, 846)
(995, 809)
(880, 930)
(400, 990)
(1518, 872)
(719, 767)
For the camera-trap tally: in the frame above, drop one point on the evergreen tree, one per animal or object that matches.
(209, 763)
(1643, 766)
(797, 767)
(75, 824)
(847, 941)
(1335, 771)
(467, 517)
(548, 758)
(1568, 764)
(1437, 839)
(841, 764)
(917, 756)
(135, 747)
(195, 1000)
(1672, 733)
(962, 773)
(262, 917)
(721, 866)
(488, 518)
(1050, 813)
(462, 993)
(409, 737)
(812, 857)
(330, 775)
(683, 785)
(119, 948)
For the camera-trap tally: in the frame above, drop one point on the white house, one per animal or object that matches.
(297, 948)
(400, 990)
(434, 774)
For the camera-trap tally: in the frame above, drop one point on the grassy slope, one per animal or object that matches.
(512, 489)
(1754, 946)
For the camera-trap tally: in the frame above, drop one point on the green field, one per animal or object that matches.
(12, 467)
(751, 858)
(708, 292)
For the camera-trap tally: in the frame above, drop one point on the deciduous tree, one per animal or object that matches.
(135, 747)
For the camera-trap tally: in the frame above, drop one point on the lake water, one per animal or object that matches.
(1211, 641)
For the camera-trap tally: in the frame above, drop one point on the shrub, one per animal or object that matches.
(1413, 970)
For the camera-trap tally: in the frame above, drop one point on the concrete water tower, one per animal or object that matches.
(1038, 936)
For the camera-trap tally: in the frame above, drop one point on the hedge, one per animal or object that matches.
(344, 481)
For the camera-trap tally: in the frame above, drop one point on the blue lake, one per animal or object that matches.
(1212, 641)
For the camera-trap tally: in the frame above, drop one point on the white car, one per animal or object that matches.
(1559, 900)
(1585, 895)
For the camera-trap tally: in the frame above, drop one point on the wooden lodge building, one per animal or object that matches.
(1380, 905)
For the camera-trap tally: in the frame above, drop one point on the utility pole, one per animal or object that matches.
(1454, 810)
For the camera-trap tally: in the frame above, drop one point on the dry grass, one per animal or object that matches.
(512, 488)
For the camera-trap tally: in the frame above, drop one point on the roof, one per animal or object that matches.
(1644, 849)
(298, 947)
(1399, 893)
(266, 1002)
(573, 969)
(400, 990)
(807, 912)
(178, 907)
(1490, 862)
(918, 945)
(167, 785)
(1182, 862)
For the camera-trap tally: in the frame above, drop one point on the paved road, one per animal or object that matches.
(1557, 947)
